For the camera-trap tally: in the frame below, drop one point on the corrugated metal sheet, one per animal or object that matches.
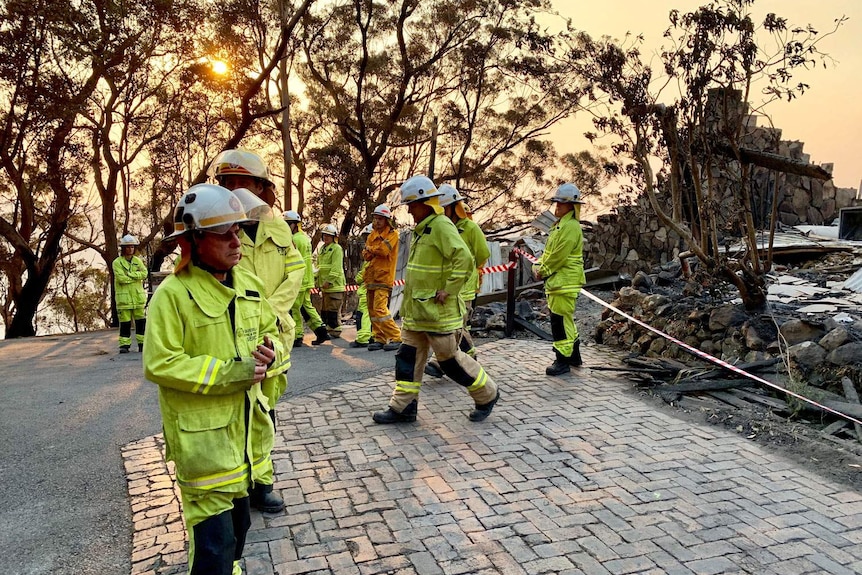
(544, 222)
(854, 282)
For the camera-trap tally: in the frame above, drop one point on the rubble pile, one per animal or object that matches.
(822, 348)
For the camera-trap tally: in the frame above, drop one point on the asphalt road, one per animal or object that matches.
(69, 404)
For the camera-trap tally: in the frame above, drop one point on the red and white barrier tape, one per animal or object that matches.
(701, 354)
(485, 270)
(717, 361)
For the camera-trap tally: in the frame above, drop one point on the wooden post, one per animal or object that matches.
(510, 295)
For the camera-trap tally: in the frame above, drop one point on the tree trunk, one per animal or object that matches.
(23, 324)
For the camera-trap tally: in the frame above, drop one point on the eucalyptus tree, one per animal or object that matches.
(483, 68)
(54, 57)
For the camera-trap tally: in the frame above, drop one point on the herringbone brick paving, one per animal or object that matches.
(569, 475)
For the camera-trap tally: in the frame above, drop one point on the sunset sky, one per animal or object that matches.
(828, 117)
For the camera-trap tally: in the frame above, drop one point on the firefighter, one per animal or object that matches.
(381, 253)
(453, 205)
(129, 295)
(269, 253)
(562, 268)
(303, 309)
(363, 320)
(211, 344)
(330, 279)
(433, 313)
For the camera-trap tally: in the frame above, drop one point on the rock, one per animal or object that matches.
(628, 298)
(653, 302)
(657, 346)
(834, 339)
(726, 316)
(798, 330)
(531, 294)
(692, 288)
(496, 321)
(842, 319)
(753, 340)
(807, 354)
(642, 282)
(525, 310)
(846, 354)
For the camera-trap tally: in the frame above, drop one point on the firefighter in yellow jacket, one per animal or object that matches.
(211, 343)
(129, 295)
(432, 311)
(360, 315)
(269, 253)
(303, 309)
(453, 205)
(562, 268)
(381, 253)
(330, 279)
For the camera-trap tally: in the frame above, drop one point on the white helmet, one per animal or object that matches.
(291, 216)
(418, 188)
(129, 240)
(568, 194)
(383, 210)
(449, 195)
(207, 207)
(239, 163)
(329, 230)
(367, 230)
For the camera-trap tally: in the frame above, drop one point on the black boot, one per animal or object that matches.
(560, 365)
(322, 335)
(392, 416)
(297, 342)
(575, 359)
(483, 411)
(263, 499)
(432, 368)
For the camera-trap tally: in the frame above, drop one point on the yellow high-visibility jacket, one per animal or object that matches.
(562, 262)
(330, 268)
(273, 258)
(128, 290)
(381, 253)
(439, 260)
(473, 236)
(199, 342)
(303, 244)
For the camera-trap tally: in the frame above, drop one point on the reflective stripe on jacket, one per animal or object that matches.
(199, 341)
(473, 236)
(330, 268)
(562, 262)
(381, 253)
(128, 290)
(439, 260)
(303, 244)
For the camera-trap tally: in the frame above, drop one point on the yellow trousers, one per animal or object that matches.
(382, 325)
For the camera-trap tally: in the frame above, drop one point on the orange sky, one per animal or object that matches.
(828, 117)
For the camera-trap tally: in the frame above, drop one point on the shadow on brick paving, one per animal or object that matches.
(569, 475)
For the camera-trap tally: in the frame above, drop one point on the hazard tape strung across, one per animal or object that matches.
(483, 271)
(717, 361)
(701, 354)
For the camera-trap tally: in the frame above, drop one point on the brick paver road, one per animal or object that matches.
(569, 475)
